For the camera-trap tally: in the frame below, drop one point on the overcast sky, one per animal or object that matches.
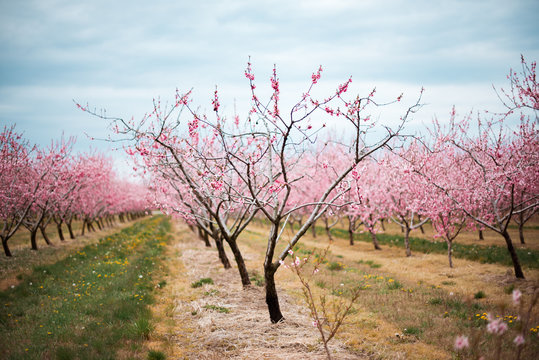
(119, 55)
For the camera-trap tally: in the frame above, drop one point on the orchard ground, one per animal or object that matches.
(411, 308)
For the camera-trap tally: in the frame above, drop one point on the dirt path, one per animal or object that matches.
(223, 321)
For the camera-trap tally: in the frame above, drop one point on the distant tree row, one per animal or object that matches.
(40, 186)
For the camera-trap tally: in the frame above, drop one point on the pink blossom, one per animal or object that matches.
(497, 327)
(461, 342)
(517, 294)
(519, 340)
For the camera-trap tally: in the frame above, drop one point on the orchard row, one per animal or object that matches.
(40, 186)
(219, 173)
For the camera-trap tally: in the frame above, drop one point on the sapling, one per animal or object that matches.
(327, 313)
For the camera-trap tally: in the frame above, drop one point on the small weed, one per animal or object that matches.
(509, 289)
(335, 266)
(436, 301)
(370, 263)
(257, 278)
(142, 328)
(211, 292)
(480, 295)
(339, 256)
(156, 355)
(449, 283)
(393, 284)
(321, 284)
(201, 282)
(220, 309)
(412, 330)
(162, 284)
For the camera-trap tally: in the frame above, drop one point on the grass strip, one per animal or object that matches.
(94, 304)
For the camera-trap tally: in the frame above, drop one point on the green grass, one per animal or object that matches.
(256, 278)
(90, 305)
(335, 265)
(370, 263)
(485, 254)
(156, 355)
(201, 282)
(480, 295)
(220, 309)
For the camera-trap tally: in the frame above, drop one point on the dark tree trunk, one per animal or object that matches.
(239, 261)
(98, 225)
(481, 235)
(313, 229)
(272, 300)
(6, 248)
(328, 230)
(351, 225)
(449, 248)
(514, 257)
(70, 229)
(407, 241)
(60, 232)
(375, 241)
(221, 252)
(420, 227)
(382, 224)
(45, 236)
(83, 228)
(33, 240)
(203, 235)
(521, 233)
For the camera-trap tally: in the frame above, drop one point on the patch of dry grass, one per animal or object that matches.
(430, 332)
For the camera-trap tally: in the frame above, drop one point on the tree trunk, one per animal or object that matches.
(521, 233)
(481, 235)
(328, 231)
(45, 236)
(407, 241)
(70, 229)
(6, 247)
(83, 228)
(272, 300)
(239, 261)
(60, 232)
(313, 229)
(421, 227)
(203, 235)
(382, 224)
(221, 252)
(449, 248)
(351, 224)
(514, 257)
(375, 241)
(98, 224)
(33, 241)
